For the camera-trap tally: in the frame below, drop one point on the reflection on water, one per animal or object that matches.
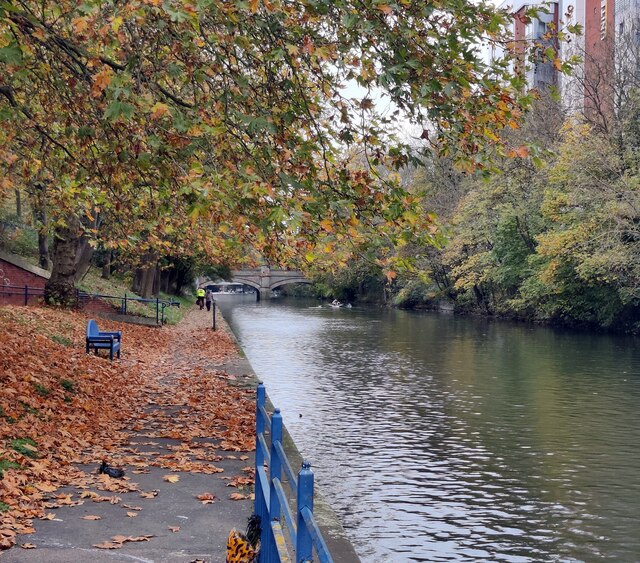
(440, 438)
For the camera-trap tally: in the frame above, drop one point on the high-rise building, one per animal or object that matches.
(590, 87)
(535, 34)
(627, 18)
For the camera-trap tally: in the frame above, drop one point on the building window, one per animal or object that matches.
(542, 29)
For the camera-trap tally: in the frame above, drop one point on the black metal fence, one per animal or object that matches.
(21, 294)
(26, 295)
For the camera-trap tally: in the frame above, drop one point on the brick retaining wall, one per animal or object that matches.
(15, 271)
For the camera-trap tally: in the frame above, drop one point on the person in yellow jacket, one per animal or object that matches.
(200, 297)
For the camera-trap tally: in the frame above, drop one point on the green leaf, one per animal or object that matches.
(85, 132)
(11, 54)
(8, 7)
(144, 160)
(260, 124)
(117, 109)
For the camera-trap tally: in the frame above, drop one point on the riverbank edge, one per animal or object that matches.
(333, 532)
(449, 306)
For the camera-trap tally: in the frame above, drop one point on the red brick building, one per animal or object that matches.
(16, 274)
(22, 283)
(590, 85)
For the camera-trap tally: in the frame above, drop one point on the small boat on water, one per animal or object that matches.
(335, 304)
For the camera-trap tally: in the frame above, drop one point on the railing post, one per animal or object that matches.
(26, 295)
(304, 543)
(124, 305)
(214, 314)
(157, 311)
(260, 504)
(261, 395)
(275, 467)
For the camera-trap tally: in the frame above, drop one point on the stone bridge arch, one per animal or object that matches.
(264, 280)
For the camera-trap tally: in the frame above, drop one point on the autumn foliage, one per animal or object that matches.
(61, 406)
(154, 127)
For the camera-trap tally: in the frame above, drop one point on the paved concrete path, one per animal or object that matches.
(167, 520)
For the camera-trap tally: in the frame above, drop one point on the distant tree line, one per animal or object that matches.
(551, 236)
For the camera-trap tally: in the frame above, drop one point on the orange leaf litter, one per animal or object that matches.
(79, 409)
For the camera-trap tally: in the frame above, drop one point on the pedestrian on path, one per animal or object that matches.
(200, 294)
(208, 298)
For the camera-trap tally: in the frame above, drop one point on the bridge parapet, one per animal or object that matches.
(265, 280)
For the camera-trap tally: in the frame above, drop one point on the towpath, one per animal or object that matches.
(187, 457)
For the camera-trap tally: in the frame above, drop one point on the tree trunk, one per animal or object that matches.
(137, 281)
(18, 203)
(172, 280)
(106, 268)
(180, 281)
(157, 281)
(83, 258)
(60, 288)
(165, 278)
(43, 250)
(146, 286)
(42, 220)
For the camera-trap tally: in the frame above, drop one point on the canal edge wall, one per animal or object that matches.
(333, 532)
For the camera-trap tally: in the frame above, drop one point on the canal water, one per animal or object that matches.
(440, 438)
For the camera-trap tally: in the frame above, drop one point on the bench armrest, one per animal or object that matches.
(101, 338)
(116, 334)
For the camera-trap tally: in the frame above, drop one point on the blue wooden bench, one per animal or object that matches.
(103, 340)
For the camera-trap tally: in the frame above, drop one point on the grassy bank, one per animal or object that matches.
(119, 286)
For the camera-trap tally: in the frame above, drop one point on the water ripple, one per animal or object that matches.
(446, 439)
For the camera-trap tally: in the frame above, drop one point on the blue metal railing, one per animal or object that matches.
(271, 502)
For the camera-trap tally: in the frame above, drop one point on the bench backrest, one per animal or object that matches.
(92, 328)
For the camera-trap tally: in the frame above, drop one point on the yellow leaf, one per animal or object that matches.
(116, 23)
(385, 8)
(91, 517)
(194, 214)
(79, 25)
(158, 110)
(171, 478)
(327, 225)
